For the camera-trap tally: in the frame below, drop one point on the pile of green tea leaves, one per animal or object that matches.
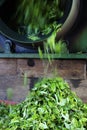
(4, 115)
(38, 17)
(50, 105)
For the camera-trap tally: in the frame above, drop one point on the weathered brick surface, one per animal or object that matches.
(8, 67)
(71, 69)
(12, 71)
(16, 83)
(80, 88)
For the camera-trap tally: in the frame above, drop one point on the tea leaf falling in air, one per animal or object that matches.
(25, 79)
(9, 93)
(40, 52)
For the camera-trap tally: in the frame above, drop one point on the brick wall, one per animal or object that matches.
(13, 70)
(71, 69)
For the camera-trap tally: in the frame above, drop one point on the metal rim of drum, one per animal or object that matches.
(14, 36)
(70, 19)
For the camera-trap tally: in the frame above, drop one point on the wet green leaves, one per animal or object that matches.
(38, 17)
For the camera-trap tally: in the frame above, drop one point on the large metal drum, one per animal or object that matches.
(6, 9)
